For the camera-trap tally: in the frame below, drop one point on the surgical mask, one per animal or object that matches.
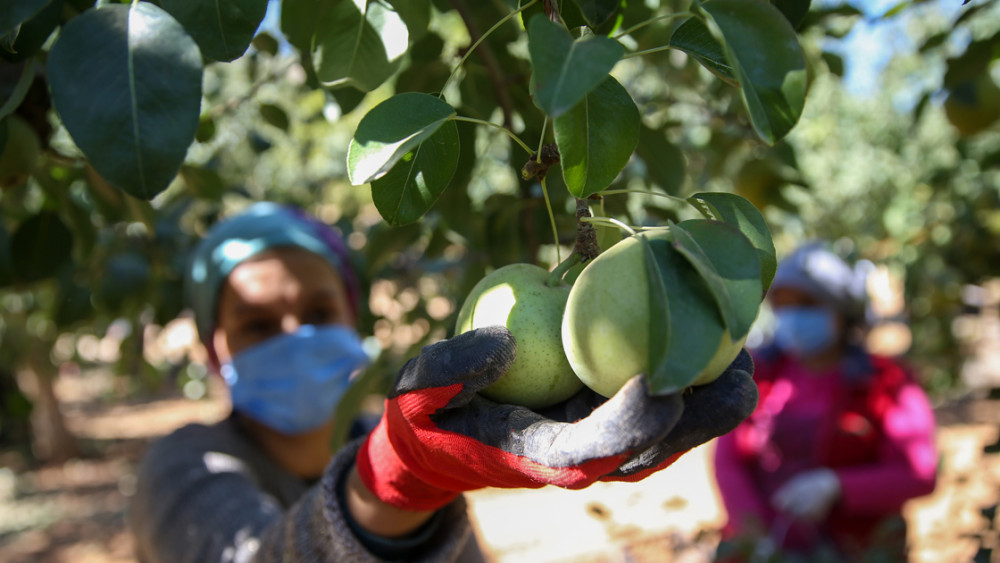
(805, 331)
(293, 382)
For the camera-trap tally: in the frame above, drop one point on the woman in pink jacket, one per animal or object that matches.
(840, 439)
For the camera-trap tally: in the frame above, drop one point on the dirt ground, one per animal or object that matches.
(74, 512)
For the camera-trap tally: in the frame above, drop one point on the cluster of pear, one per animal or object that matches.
(674, 304)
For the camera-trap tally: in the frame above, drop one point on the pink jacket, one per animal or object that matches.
(867, 420)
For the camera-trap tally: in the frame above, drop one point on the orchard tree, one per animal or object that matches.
(488, 132)
(909, 173)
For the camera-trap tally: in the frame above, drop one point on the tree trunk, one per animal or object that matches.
(51, 440)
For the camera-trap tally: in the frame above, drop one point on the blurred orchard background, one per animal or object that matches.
(895, 159)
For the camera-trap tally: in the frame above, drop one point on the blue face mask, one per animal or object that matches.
(293, 382)
(805, 331)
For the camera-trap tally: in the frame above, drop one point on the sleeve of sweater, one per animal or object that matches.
(747, 510)
(907, 465)
(199, 504)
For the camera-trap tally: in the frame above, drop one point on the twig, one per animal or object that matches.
(493, 69)
(236, 101)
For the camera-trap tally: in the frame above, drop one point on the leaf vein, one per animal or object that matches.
(222, 30)
(134, 101)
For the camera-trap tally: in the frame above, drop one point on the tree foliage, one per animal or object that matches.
(127, 128)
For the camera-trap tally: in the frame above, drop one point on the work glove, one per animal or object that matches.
(438, 437)
(810, 495)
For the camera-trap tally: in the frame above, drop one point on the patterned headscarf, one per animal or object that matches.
(260, 227)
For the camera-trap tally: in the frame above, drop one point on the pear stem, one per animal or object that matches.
(556, 275)
(609, 221)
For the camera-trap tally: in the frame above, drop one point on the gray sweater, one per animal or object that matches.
(207, 494)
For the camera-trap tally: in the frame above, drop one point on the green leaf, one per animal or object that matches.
(427, 49)
(597, 12)
(347, 98)
(564, 70)
(696, 40)
(126, 82)
(264, 42)
(696, 327)
(835, 63)
(300, 19)
(665, 164)
(768, 61)
(972, 63)
(385, 243)
(358, 43)
(223, 29)
(795, 11)
(206, 129)
(391, 129)
(728, 263)
(33, 33)
(74, 303)
(659, 324)
(421, 76)
(274, 115)
(16, 12)
(19, 91)
(127, 277)
(596, 138)
(6, 264)
(737, 211)
(370, 381)
(412, 186)
(203, 183)
(416, 14)
(39, 247)
(21, 151)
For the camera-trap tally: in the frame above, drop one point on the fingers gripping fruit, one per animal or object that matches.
(529, 301)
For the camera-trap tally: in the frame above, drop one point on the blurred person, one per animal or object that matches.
(276, 305)
(840, 439)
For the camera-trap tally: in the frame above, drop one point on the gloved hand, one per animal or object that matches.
(438, 437)
(809, 495)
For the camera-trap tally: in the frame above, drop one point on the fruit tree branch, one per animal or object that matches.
(586, 234)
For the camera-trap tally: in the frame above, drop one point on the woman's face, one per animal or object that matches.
(276, 292)
(831, 327)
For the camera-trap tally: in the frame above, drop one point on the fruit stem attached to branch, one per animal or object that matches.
(611, 222)
(647, 192)
(556, 275)
(552, 219)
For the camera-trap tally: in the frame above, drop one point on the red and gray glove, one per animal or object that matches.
(438, 437)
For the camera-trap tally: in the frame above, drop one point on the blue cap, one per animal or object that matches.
(260, 227)
(817, 271)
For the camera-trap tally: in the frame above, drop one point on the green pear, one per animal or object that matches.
(520, 297)
(19, 153)
(606, 326)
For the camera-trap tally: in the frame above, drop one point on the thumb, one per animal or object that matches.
(474, 359)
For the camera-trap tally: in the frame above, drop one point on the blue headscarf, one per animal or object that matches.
(260, 227)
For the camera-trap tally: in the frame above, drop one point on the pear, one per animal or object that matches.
(607, 324)
(524, 298)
